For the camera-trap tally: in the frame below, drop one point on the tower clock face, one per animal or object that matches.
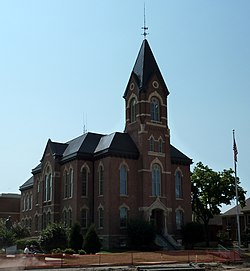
(155, 84)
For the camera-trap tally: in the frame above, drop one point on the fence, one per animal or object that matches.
(121, 259)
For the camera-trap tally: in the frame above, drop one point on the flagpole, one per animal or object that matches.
(236, 189)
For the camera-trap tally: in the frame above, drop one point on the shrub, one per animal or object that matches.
(7, 238)
(76, 238)
(81, 252)
(69, 251)
(21, 244)
(54, 236)
(192, 233)
(92, 242)
(19, 231)
(141, 234)
(56, 251)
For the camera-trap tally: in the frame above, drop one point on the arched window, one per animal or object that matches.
(155, 109)
(100, 217)
(123, 180)
(48, 218)
(37, 191)
(132, 110)
(84, 218)
(84, 181)
(36, 222)
(30, 223)
(23, 201)
(30, 201)
(69, 218)
(44, 220)
(123, 217)
(48, 185)
(156, 180)
(71, 175)
(65, 179)
(27, 202)
(178, 185)
(160, 146)
(101, 180)
(179, 217)
(151, 144)
(65, 218)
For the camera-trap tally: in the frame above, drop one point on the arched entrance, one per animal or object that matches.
(157, 220)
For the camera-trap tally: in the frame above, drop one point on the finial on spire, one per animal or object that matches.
(84, 124)
(145, 28)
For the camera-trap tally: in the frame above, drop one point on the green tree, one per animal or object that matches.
(54, 236)
(76, 238)
(211, 189)
(7, 237)
(19, 231)
(141, 234)
(92, 243)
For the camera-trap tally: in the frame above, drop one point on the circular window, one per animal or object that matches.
(155, 84)
(132, 86)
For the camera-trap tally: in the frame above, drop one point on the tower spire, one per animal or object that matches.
(145, 28)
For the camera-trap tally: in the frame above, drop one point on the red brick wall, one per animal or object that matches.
(9, 206)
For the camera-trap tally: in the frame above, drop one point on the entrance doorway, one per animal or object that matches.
(157, 220)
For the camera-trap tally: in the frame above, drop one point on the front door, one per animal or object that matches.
(157, 219)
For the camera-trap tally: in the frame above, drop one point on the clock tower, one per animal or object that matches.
(147, 124)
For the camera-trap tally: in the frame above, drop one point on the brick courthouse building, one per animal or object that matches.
(110, 179)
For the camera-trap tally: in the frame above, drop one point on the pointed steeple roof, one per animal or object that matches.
(146, 66)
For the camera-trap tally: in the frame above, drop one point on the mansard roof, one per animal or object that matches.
(117, 144)
(145, 67)
(177, 157)
(90, 146)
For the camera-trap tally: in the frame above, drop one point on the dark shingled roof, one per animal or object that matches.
(28, 184)
(119, 144)
(37, 169)
(91, 145)
(58, 148)
(145, 67)
(179, 157)
(232, 211)
(82, 146)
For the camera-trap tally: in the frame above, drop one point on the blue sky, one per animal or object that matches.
(65, 61)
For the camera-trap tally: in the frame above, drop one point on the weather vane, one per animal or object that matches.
(145, 28)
